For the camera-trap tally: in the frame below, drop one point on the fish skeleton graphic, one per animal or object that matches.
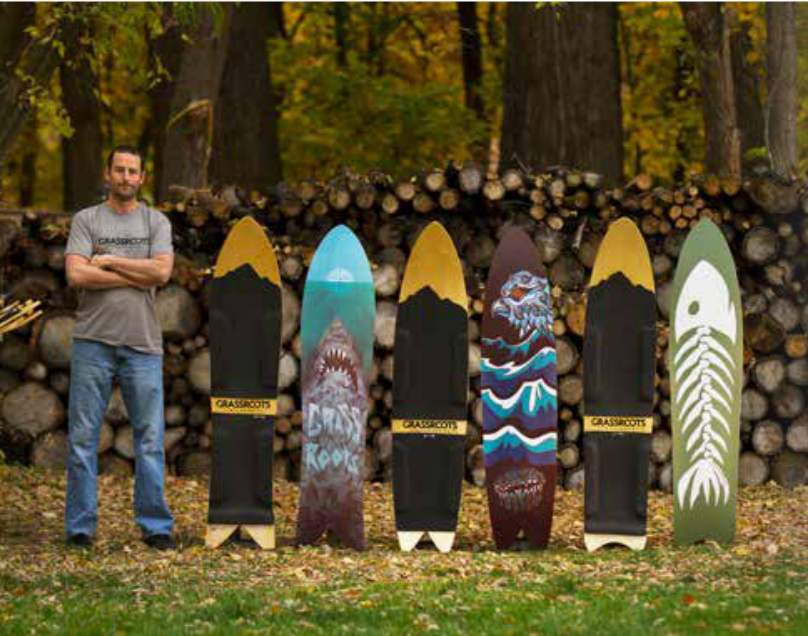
(705, 378)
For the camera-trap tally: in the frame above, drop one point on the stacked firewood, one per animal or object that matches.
(565, 211)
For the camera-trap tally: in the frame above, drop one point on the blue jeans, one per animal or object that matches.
(93, 367)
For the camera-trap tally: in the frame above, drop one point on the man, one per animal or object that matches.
(118, 252)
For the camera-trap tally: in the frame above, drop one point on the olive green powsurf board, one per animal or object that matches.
(706, 374)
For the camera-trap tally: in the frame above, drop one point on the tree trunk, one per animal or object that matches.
(710, 34)
(781, 55)
(493, 30)
(376, 36)
(22, 61)
(341, 17)
(630, 80)
(277, 28)
(28, 172)
(246, 150)
(15, 17)
(751, 122)
(193, 104)
(82, 154)
(561, 95)
(472, 56)
(167, 50)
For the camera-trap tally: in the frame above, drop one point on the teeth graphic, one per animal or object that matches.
(336, 363)
(517, 490)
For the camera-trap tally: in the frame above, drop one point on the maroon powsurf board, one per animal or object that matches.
(519, 394)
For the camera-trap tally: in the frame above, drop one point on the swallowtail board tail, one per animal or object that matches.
(706, 367)
(519, 394)
(430, 385)
(339, 310)
(245, 339)
(619, 361)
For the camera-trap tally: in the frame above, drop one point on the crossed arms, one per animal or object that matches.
(105, 271)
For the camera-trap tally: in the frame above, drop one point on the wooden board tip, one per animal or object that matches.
(443, 540)
(434, 263)
(407, 540)
(248, 244)
(596, 541)
(263, 535)
(217, 534)
(623, 250)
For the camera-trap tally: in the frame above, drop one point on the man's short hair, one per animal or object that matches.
(126, 149)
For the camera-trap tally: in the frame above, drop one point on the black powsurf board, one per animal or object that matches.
(619, 361)
(245, 328)
(429, 392)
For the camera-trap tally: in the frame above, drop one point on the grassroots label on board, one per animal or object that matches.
(430, 427)
(617, 424)
(243, 406)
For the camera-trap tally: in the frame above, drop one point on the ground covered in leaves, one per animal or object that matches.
(759, 584)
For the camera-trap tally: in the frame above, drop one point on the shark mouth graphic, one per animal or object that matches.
(335, 362)
(334, 412)
(337, 368)
(519, 490)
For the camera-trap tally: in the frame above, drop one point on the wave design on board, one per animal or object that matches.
(519, 349)
(510, 436)
(530, 399)
(508, 444)
(508, 379)
(539, 361)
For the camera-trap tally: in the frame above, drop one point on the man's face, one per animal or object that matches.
(125, 176)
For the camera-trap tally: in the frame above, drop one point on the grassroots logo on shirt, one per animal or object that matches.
(122, 242)
(430, 427)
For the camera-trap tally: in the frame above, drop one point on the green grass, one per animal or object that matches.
(559, 594)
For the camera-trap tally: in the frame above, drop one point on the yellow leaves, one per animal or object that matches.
(424, 621)
(691, 602)
(663, 11)
(770, 531)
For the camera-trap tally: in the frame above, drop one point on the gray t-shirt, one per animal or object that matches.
(124, 316)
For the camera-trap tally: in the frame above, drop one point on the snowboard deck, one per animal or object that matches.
(245, 335)
(519, 394)
(339, 310)
(619, 362)
(706, 371)
(429, 392)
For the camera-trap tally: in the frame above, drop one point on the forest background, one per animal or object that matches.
(256, 94)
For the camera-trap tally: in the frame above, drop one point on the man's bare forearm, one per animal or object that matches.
(138, 278)
(86, 276)
(146, 272)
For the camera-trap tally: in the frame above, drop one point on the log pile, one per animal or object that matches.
(565, 211)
